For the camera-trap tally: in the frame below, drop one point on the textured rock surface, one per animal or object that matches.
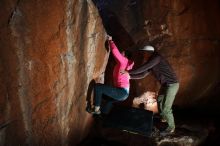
(50, 51)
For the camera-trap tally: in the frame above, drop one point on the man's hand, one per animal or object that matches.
(124, 72)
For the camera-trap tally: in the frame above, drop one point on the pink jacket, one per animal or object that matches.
(120, 80)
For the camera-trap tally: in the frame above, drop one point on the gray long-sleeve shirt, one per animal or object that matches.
(159, 67)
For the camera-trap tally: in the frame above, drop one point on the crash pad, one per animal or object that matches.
(130, 119)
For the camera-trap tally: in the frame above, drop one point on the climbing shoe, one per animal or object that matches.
(163, 120)
(94, 112)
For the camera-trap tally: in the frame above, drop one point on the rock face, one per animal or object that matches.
(52, 51)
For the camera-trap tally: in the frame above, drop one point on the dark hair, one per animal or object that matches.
(128, 54)
(106, 45)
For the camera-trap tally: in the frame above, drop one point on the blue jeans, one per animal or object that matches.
(114, 93)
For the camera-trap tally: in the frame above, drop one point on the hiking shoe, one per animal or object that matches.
(167, 131)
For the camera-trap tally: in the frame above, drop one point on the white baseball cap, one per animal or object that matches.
(147, 48)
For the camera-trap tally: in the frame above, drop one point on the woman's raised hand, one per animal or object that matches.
(109, 38)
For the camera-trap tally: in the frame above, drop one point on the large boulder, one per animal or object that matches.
(50, 52)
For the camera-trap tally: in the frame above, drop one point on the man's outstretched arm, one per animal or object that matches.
(146, 66)
(140, 75)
